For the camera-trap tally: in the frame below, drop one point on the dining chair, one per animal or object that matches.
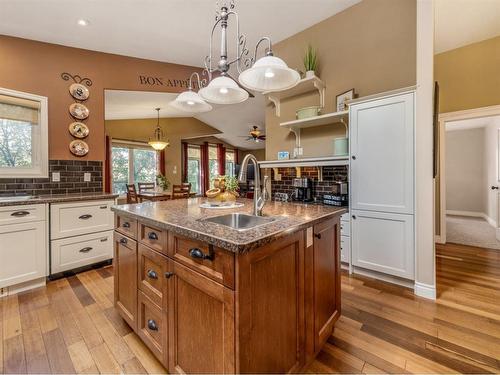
(181, 191)
(145, 186)
(132, 194)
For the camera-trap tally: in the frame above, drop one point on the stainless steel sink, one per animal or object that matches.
(240, 221)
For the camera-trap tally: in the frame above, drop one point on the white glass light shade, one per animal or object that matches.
(269, 73)
(158, 145)
(223, 90)
(190, 101)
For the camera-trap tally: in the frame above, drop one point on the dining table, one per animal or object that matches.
(151, 195)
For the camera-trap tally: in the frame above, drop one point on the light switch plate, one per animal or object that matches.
(56, 176)
(87, 177)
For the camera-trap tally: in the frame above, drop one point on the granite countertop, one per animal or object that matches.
(182, 216)
(56, 198)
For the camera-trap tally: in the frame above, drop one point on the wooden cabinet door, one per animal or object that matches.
(383, 242)
(382, 154)
(23, 252)
(325, 280)
(201, 323)
(125, 268)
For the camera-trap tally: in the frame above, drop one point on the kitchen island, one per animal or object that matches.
(205, 297)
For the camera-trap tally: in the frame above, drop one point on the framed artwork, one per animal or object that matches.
(340, 100)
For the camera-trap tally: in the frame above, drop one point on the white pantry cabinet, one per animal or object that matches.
(382, 148)
(383, 242)
(23, 244)
(382, 183)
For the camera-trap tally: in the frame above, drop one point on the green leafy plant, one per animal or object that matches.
(310, 59)
(162, 181)
(231, 183)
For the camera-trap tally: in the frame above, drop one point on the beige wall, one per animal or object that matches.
(465, 170)
(469, 77)
(175, 128)
(370, 47)
(259, 154)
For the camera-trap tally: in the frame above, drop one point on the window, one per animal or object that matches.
(230, 162)
(23, 135)
(194, 168)
(213, 165)
(132, 164)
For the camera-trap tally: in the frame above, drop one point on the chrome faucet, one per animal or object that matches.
(259, 195)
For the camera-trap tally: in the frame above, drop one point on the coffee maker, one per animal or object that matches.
(303, 189)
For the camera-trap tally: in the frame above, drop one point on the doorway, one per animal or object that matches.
(470, 177)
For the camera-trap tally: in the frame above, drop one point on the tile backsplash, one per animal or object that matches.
(71, 179)
(330, 174)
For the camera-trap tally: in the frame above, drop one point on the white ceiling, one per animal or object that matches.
(234, 121)
(474, 123)
(165, 30)
(462, 22)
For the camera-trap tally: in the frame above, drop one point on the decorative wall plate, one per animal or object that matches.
(78, 129)
(79, 148)
(79, 91)
(79, 111)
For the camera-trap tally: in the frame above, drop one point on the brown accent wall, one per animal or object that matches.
(469, 76)
(370, 47)
(176, 129)
(36, 67)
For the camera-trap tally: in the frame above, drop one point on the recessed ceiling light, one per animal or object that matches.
(83, 22)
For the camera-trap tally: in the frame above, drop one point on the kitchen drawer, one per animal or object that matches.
(208, 260)
(74, 252)
(345, 217)
(73, 219)
(153, 237)
(126, 225)
(152, 277)
(345, 249)
(22, 214)
(152, 327)
(345, 228)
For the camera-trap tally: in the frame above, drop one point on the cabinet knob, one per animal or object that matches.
(152, 274)
(126, 224)
(353, 157)
(123, 240)
(85, 250)
(19, 213)
(152, 325)
(494, 188)
(354, 217)
(152, 236)
(168, 275)
(85, 217)
(318, 236)
(198, 254)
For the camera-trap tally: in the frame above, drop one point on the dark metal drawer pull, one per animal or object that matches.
(126, 224)
(198, 254)
(152, 274)
(318, 236)
(123, 240)
(152, 325)
(85, 217)
(168, 275)
(152, 236)
(104, 239)
(20, 213)
(103, 207)
(85, 250)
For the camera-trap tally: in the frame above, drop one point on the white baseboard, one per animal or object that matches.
(490, 221)
(384, 277)
(18, 288)
(425, 290)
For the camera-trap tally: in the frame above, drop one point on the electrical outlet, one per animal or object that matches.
(87, 177)
(56, 176)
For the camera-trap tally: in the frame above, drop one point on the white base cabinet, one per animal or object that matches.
(23, 244)
(383, 242)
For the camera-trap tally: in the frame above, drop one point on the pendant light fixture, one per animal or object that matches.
(268, 73)
(191, 101)
(157, 141)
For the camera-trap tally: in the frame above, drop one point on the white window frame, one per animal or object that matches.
(40, 145)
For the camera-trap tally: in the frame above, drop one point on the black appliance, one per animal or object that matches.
(303, 189)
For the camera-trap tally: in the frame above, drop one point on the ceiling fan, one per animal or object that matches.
(255, 135)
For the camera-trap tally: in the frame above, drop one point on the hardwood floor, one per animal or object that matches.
(70, 326)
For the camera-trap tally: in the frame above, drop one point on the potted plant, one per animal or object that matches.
(162, 182)
(310, 62)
